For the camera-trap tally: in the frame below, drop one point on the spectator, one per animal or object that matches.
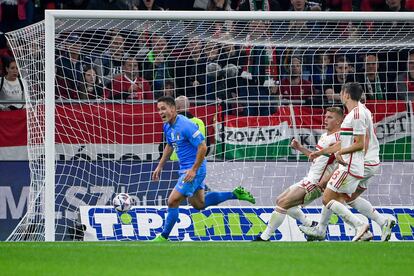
(91, 87)
(218, 5)
(169, 88)
(322, 69)
(129, 85)
(395, 5)
(405, 81)
(148, 5)
(303, 5)
(69, 67)
(110, 63)
(342, 74)
(295, 87)
(375, 84)
(12, 87)
(157, 68)
(259, 5)
(232, 59)
(193, 67)
(5, 52)
(259, 76)
(15, 14)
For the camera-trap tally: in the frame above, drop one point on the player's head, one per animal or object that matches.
(333, 118)
(182, 104)
(351, 91)
(166, 109)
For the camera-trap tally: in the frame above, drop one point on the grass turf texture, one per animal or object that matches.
(206, 258)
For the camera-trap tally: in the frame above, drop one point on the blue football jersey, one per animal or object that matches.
(185, 137)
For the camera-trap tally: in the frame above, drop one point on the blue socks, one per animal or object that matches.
(170, 221)
(214, 198)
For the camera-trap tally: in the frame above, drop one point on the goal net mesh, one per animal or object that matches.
(254, 84)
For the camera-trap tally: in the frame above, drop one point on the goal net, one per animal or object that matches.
(256, 80)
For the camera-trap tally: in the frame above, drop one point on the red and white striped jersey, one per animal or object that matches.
(353, 125)
(324, 163)
(371, 142)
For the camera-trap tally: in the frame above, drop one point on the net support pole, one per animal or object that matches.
(49, 206)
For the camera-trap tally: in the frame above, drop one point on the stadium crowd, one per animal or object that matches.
(250, 79)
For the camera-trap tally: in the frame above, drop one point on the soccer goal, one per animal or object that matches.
(255, 79)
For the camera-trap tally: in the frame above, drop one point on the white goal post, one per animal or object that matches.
(394, 33)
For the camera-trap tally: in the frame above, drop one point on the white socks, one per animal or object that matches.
(277, 218)
(325, 217)
(296, 213)
(364, 207)
(342, 211)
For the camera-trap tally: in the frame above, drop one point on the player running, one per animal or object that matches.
(306, 190)
(189, 144)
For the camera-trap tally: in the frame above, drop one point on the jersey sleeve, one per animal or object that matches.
(359, 126)
(167, 137)
(193, 134)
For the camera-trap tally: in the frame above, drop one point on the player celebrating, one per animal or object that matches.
(371, 165)
(306, 190)
(189, 144)
(350, 157)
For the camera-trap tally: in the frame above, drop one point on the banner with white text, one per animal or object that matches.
(103, 223)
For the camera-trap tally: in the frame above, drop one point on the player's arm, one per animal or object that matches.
(201, 153)
(359, 142)
(324, 180)
(299, 147)
(326, 151)
(168, 150)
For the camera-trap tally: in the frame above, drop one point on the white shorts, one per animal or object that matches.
(369, 171)
(342, 182)
(311, 190)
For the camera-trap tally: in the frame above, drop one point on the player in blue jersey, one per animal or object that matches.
(183, 136)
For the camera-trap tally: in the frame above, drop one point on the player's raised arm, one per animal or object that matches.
(295, 144)
(168, 150)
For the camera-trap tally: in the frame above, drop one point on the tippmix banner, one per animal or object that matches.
(103, 223)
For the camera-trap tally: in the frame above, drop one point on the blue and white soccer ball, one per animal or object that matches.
(122, 202)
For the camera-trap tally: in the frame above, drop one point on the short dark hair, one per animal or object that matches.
(167, 99)
(336, 109)
(354, 89)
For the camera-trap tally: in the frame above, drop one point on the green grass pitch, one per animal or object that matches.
(206, 258)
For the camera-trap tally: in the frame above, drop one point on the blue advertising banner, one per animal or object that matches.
(86, 183)
(81, 183)
(225, 224)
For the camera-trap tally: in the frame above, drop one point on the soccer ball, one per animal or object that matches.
(122, 202)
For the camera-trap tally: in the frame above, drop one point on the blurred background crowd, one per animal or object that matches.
(251, 77)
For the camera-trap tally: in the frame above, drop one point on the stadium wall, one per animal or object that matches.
(392, 186)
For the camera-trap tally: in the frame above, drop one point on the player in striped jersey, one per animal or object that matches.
(306, 190)
(371, 166)
(344, 181)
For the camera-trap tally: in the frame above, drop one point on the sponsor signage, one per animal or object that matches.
(103, 223)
